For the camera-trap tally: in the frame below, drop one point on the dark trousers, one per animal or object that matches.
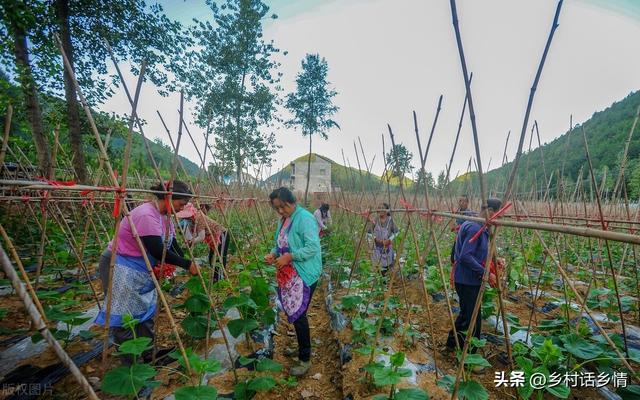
(121, 334)
(302, 331)
(467, 295)
(103, 270)
(223, 248)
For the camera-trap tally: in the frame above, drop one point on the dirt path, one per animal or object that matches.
(324, 379)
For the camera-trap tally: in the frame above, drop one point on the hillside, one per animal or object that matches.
(606, 133)
(53, 115)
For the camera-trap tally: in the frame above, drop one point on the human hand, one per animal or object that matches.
(193, 269)
(283, 260)
(493, 280)
(386, 243)
(270, 258)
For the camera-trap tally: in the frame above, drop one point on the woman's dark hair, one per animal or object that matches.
(324, 209)
(180, 191)
(388, 207)
(283, 194)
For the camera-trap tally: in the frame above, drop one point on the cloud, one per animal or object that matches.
(390, 57)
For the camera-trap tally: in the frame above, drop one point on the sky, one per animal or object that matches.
(388, 58)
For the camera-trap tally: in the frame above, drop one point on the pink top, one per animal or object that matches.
(148, 222)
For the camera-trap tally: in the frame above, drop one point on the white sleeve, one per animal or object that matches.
(200, 236)
(318, 215)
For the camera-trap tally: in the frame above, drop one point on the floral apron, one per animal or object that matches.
(383, 256)
(293, 293)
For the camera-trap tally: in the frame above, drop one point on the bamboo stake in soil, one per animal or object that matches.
(606, 243)
(40, 325)
(114, 180)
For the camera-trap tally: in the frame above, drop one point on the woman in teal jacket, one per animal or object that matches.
(298, 259)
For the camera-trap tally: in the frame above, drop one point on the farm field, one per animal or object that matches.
(272, 199)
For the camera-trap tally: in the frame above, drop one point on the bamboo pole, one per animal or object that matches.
(114, 180)
(40, 325)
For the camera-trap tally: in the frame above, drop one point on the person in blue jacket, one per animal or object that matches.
(297, 256)
(470, 258)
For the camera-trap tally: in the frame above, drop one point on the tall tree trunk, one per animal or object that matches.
(30, 92)
(306, 190)
(239, 138)
(73, 114)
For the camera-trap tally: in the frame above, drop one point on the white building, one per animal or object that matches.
(320, 178)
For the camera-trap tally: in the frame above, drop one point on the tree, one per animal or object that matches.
(311, 104)
(231, 74)
(399, 161)
(133, 30)
(442, 180)
(19, 21)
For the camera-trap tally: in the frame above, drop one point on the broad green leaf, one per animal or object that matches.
(262, 383)
(239, 301)
(196, 393)
(397, 359)
(267, 364)
(472, 390)
(476, 359)
(561, 391)
(78, 321)
(239, 326)
(268, 317)
(478, 343)
(126, 381)
(387, 376)
(373, 367)
(630, 392)
(195, 325)
(365, 350)
(260, 292)
(86, 335)
(135, 346)
(197, 303)
(411, 394)
(196, 362)
(350, 302)
(246, 360)
(447, 382)
(580, 348)
(241, 391)
(195, 286)
(634, 355)
(129, 322)
(524, 363)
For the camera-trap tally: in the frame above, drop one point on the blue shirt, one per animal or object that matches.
(467, 212)
(470, 257)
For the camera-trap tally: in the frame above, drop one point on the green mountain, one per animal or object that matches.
(606, 132)
(347, 178)
(53, 114)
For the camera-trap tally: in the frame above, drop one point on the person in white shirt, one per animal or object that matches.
(323, 217)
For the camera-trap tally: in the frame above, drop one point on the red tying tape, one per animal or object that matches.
(408, 206)
(492, 219)
(56, 183)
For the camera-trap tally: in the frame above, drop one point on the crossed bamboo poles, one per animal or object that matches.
(530, 222)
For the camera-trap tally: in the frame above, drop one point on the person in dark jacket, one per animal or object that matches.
(469, 268)
(463, 208)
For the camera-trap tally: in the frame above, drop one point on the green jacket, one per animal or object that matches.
(304, 245)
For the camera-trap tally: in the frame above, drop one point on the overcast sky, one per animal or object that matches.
(390, 57)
